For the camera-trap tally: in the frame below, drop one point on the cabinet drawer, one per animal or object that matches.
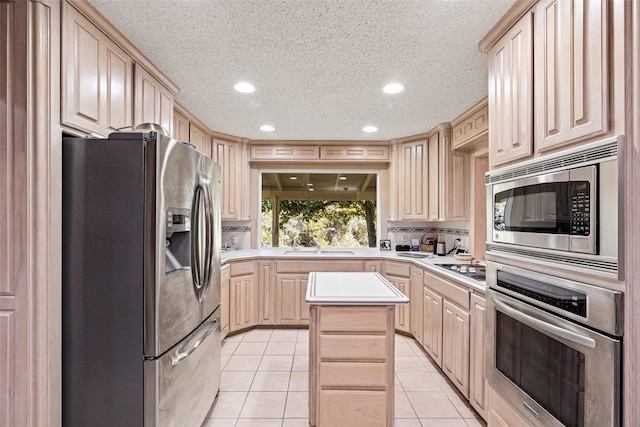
(353, 319)
(333, 374)
(242, 268)
(398, 269)
(353, 347)
(307, 266)
(450, 291)
(352, 408)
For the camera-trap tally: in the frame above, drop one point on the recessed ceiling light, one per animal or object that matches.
(244, 87)
(310, 184)
(393, 88)
(311, 189)
(293, 178)
(369, 128)
(343, 178)
(267, 128)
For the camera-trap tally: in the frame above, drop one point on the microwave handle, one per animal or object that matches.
(544, 326)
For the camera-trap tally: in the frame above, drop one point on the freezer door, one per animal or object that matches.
(179, 242)
(211, 295)
(180, 387)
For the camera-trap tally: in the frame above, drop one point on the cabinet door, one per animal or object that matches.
(510, 64)
(153, 102)
(571, 78)
(292, 309)
(412, 179)
(434, 177)
(403, 311)
(229, 156)
(417, 316)
(97, 78)
(200, 139)
(180, 127)
(225, 284)
(477, 379)
(266, 293)
(433, 325)
(455, 346)
(242, 298)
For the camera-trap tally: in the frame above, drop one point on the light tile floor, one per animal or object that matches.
(265, 380)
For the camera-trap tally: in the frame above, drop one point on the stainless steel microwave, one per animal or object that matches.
(567, 202)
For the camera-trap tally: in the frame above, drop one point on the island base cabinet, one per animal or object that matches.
(351, 365)
(352, 408)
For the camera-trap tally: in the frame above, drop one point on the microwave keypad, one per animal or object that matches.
(580, 210)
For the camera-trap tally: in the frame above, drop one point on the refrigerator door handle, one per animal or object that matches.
(201, 274)
(194, 343)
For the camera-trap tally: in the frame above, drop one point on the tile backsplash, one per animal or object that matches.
(402, 233)
(236, 235)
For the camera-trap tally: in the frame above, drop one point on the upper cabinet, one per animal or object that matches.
(232, 158)
(153, 101)
(180, 131)
(510, 63)
(549, 76)
(431, 179)
(471, 128)
(412, 169)
(571, 78)
(201, 139)
(97, 78)
(107, 83)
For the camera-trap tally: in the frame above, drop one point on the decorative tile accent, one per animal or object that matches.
(453, 231)
(236, 228)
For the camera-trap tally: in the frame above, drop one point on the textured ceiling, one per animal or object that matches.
(318, 65)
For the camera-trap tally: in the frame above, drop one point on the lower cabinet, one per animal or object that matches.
(266, 293)
(455, 346)
(399, 275)
(432, 335)
(291, 290)
(225, 281)
(416, 303)
(351, 365)
(477, 369)
(243, 295)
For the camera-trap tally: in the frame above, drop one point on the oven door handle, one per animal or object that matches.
(544, 326)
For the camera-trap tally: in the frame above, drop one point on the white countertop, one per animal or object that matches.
(352, 288)
(427, 262)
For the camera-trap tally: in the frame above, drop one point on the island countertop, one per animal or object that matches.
(352, 288)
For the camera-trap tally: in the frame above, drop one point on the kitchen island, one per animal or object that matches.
(351, 348)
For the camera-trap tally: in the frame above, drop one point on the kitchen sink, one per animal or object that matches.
(322, 252)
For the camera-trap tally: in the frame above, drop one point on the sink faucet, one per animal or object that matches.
(326, 230)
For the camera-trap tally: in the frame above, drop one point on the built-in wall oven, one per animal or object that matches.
(560, 208)
(554, 347)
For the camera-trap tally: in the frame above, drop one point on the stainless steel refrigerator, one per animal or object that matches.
(141, 282)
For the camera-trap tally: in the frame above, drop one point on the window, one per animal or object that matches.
(331, 209)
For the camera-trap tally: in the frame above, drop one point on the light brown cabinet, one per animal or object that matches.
(510, 64)
(432, 336)
(477, 378)
(225, 284)
(416, 303)
(97, 78)
(471, 127)
(267, 293)
(228, 154)
(201, 139)
(413, 178)
(571, 78)
(455, 346)
(291, 290)
(180, 127)
(399, 274)
(243, 295)
(354, 152)
(153, 102)
(351, 366)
